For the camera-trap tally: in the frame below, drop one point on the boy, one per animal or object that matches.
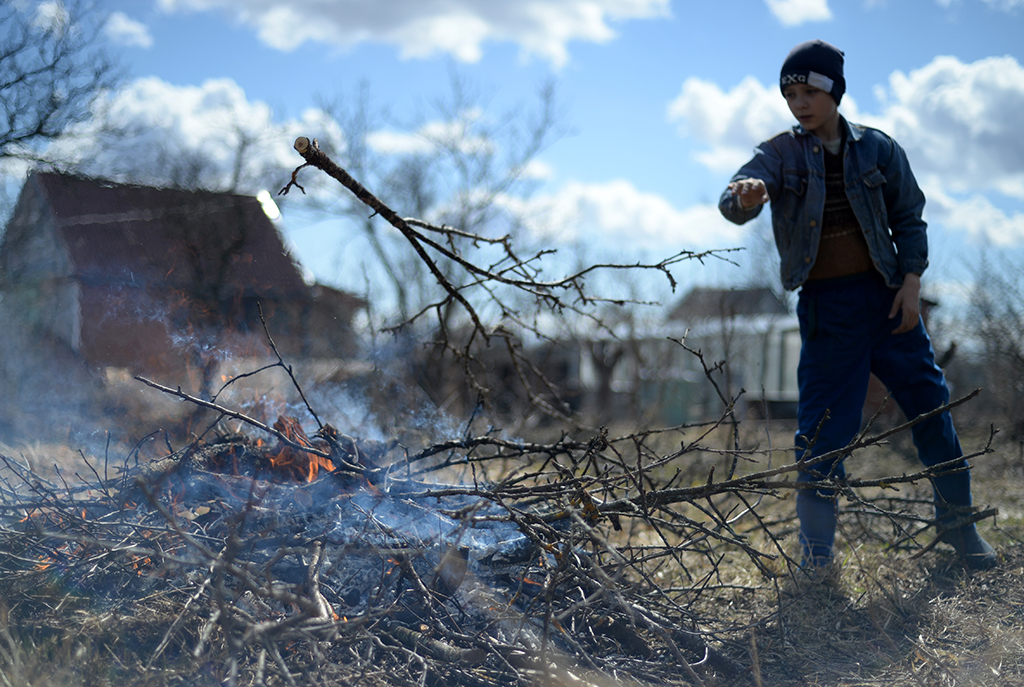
(846, 214)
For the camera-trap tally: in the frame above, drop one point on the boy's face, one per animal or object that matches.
(815, 109)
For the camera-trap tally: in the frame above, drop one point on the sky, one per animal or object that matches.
(660, 101)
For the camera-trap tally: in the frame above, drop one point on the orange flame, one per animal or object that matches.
(139, 563)
(302, 464)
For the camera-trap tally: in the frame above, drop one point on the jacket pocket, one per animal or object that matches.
(795, 183)
(794, 190)
(874, 183)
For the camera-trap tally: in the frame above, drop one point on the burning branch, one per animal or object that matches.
(281, 436)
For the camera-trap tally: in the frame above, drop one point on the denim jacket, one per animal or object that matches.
(881, 187)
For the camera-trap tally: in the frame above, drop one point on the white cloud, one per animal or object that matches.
(796, 12)
(1002, 5)
(421, 28)
(155, 132)
(732, 122)
(619, 213)
(961, 122)
(455, 134)
(52, 17)
(974, 214)
(535, 169)
(398, 142)
(1006, 5)
(123, 30)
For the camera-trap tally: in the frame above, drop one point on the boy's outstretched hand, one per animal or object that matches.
(908, 300)
(750, 192)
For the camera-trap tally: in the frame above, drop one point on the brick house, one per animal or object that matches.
(157, 281)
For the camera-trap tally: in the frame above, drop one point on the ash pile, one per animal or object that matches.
(312, 559)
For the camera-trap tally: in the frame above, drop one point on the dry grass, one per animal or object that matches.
(876, 620)
(53, 461)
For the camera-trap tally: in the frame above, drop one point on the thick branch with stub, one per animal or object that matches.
(314, 156)
(519, 273)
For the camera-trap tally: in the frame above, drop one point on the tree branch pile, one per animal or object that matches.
(478, 560)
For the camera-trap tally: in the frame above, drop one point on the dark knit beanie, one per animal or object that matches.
(815, 63)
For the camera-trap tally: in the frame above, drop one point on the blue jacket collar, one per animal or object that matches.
(853, 131)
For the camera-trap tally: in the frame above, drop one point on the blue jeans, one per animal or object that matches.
(847, 334)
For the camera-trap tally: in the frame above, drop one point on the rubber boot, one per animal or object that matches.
(817, 527)
(971, 547)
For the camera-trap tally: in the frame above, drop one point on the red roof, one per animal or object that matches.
(122, 233)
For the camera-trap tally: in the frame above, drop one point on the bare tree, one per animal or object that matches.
(996, 314)
(52, 67)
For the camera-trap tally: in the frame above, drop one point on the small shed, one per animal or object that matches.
(753, 331)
